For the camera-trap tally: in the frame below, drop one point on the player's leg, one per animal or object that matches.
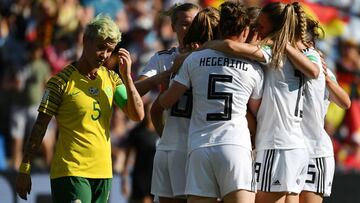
(310, 197)
(292, 198)
(198, 199)
(267, 197)
(70, 189)
(239, 196)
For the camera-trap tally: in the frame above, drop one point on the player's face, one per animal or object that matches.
(183, 22)
(264, 26)
(98, 51)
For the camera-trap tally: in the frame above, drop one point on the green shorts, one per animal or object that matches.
(80, 190)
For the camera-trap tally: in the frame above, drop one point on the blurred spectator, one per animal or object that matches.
(142, 142)
(114, 8)
(29, 85)
(59, 54)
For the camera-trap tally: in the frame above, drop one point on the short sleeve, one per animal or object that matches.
(267, 52)
(52, 96)
(152, 67)
(115, 78)
(183, 75)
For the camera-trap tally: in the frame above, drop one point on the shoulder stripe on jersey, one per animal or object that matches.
(168, 51)
(56, 87)
(115, 78)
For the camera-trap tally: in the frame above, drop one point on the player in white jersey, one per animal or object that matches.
(157, 69)
(318, 92)
(170, 159)
(279, 138)
(219, 147)
(168, 185)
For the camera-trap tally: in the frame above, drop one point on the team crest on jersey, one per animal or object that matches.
(93, 91)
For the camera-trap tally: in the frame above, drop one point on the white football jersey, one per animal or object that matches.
(281, 109)
(161, 61)
(221, 87)
(316, 103)
(175, 132)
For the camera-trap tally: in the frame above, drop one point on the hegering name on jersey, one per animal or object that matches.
(224, 61)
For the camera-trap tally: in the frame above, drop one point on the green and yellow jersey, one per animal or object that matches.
(82, 108)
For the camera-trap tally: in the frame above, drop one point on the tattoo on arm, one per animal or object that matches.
(34, 141)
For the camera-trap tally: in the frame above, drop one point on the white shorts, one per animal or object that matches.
(281, 170)
(168, 177)
(218, 170)
(320, 174)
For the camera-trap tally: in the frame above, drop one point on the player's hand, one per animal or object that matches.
(324, 66)
(124, 62)
(23, 185)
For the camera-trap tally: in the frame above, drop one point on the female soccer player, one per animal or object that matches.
(318, 93)
(170, 159)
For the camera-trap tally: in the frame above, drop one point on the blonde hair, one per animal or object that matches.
(302, 28)
(102, 26)
(204, 27)
(284, 18)
(314, 30)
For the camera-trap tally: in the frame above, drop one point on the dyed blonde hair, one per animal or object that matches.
(102, 26)
(285, 19)
(204, 27)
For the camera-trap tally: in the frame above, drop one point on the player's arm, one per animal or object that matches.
(157, 112)
(144, 84)
(134, 107)
(301, 62)
(23, 180)
(234, 48)
(172, 95)
(336, 93)
(253, 106)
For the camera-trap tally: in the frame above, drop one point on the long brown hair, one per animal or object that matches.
(284, 18)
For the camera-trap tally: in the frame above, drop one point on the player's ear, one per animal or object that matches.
(194, 45)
